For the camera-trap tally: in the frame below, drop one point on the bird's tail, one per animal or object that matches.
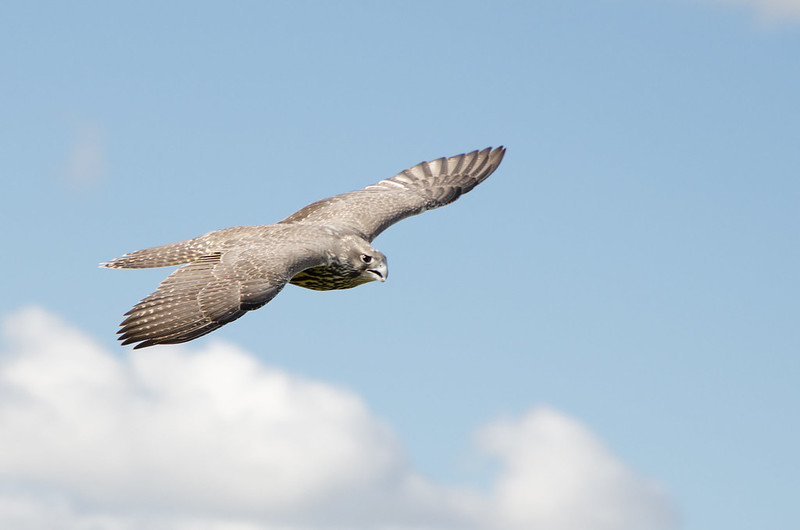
(161, 256)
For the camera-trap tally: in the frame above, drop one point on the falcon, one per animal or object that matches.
(324, 246)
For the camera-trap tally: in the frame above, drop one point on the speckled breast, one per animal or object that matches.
(328, 278)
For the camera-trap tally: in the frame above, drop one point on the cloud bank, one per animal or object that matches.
(211, 438)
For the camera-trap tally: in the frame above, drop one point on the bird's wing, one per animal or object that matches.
(199, 298)
(423, 187)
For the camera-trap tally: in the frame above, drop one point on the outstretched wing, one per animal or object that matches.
(426, 186)
(197, 299)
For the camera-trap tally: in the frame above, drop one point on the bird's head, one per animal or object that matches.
(369, 262)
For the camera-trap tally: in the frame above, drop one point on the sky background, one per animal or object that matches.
(602, 335)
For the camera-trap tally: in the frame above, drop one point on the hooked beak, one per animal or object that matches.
(381, 272)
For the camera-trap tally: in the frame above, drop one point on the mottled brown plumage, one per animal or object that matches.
(323, 246)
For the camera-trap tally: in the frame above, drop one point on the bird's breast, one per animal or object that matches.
(328, 278)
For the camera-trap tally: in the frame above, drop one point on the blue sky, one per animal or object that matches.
(615, 309)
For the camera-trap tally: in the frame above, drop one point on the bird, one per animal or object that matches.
(326, 245)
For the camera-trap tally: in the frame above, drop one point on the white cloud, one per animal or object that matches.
(558, 475)
(771, 10)
(172, 438)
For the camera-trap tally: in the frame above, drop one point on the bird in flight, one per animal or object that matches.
(323, 246)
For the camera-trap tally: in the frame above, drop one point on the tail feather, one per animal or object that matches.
(161, 256)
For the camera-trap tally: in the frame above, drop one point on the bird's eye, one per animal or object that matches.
(366, 258)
